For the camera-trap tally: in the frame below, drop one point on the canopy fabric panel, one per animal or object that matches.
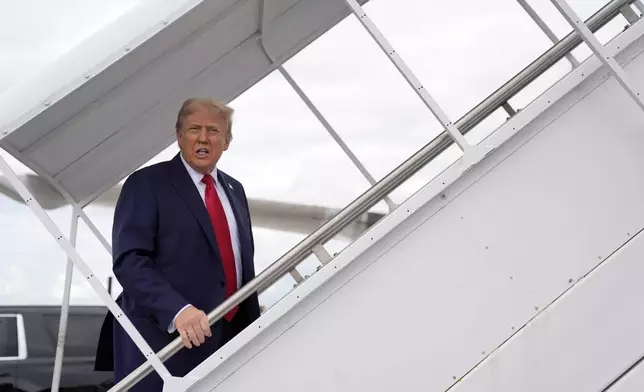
(107, 107)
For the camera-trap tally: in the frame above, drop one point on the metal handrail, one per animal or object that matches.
(390, 182)
(538, 67)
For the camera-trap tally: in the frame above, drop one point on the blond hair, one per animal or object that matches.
(192, 105)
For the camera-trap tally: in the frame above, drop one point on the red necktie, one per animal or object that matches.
(222, 233)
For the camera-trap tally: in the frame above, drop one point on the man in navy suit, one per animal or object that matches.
(182, 244)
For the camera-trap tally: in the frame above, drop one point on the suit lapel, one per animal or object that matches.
(186, 188)
(238, 210)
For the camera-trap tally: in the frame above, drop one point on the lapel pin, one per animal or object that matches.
(230, 186)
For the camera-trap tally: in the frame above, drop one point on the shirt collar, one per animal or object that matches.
(195, 175)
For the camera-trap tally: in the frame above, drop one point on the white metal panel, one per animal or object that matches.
(125, 110)
(89, 58)
(632, 381)
(422, 306)
(123, 105)
(275, 8)
(583, 342)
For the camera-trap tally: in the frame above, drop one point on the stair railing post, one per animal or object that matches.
(409, 76)
(634, 91)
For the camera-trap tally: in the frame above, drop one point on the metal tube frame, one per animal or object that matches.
(78, 261)
(77, 213)
(64, 313)
(390, 182)
(409, 76)
(94, 230)
(598, 49)
(546, 30)
(321, 252)
(331, 130)
(316, 112)
(295, 274)
(390, 203)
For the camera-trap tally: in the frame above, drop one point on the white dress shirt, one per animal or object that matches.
(230, 217)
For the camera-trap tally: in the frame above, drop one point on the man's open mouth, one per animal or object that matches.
(202, 152)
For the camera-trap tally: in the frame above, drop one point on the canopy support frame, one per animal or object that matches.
(322, 252)
(546, 29)
(77, 213)
(87, 272)
(316, 112)
(64, 312)
(472, 153)
(409, 76)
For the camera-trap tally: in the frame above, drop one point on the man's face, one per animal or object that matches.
(203, 137)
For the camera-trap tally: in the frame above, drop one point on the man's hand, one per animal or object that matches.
(193, 327)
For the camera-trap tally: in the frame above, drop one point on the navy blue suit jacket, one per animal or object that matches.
(165, 257)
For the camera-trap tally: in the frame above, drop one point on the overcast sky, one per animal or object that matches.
(461, 50)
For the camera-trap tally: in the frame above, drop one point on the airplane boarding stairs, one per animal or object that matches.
(523, 273)
(518, 268)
